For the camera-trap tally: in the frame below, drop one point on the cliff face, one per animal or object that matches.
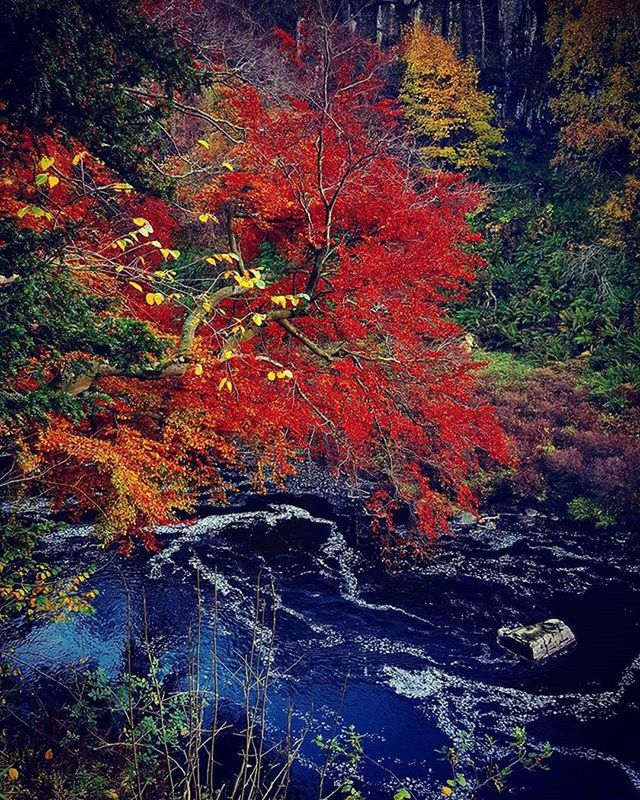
(504, 36)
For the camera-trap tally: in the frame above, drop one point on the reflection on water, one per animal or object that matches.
(418, 647)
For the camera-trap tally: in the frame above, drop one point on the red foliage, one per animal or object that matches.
(567, 447)
(352, 358)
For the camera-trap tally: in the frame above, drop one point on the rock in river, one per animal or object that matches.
(538, 641)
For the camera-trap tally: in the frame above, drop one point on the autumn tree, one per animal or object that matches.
(293, 300)
(453, 120)
(68, 69)
(596, 70)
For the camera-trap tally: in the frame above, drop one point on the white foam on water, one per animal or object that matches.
(384, 646)
(455, 698)
(595, 755)
(548, 560)
(348, 559)
(330, 635)
(211, 527)
(458, 705)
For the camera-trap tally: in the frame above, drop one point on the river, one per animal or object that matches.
(418, 646)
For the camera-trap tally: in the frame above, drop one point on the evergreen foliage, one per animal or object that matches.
(75, 65)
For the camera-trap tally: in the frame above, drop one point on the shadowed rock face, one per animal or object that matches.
(504, 36)
(538, 641)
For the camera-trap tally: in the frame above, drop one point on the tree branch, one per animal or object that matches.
(306, 341)
(216, 122)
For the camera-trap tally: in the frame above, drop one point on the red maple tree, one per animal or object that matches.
(309, 315)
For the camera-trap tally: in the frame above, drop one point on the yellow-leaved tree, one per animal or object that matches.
(453, 120)
(596, 71)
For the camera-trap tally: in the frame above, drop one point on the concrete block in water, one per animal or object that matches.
(538, 641)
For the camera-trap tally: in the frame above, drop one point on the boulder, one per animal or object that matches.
(538, 641)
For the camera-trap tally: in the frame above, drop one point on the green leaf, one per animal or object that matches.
(402, 794)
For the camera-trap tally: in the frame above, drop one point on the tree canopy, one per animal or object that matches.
(291, 298)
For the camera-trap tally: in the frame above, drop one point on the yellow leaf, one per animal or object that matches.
(150, 298)
(446, 791)
(257, 319)
(48, 754)
(13, 774)
(271, 376)
(140, 221)
(78, 158)
(135, 285)
(204, 143)
(159, 297)
(227, 355)
(119, 268)
(229, 385)
(46, 162)
(206, 306)
(198, 369)
(53, 181)
(227, 165)
(204, 217)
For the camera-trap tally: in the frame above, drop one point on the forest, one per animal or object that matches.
(320, 370)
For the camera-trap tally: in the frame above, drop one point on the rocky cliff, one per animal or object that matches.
(505, 37)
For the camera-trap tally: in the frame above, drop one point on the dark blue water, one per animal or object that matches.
(418, 647)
